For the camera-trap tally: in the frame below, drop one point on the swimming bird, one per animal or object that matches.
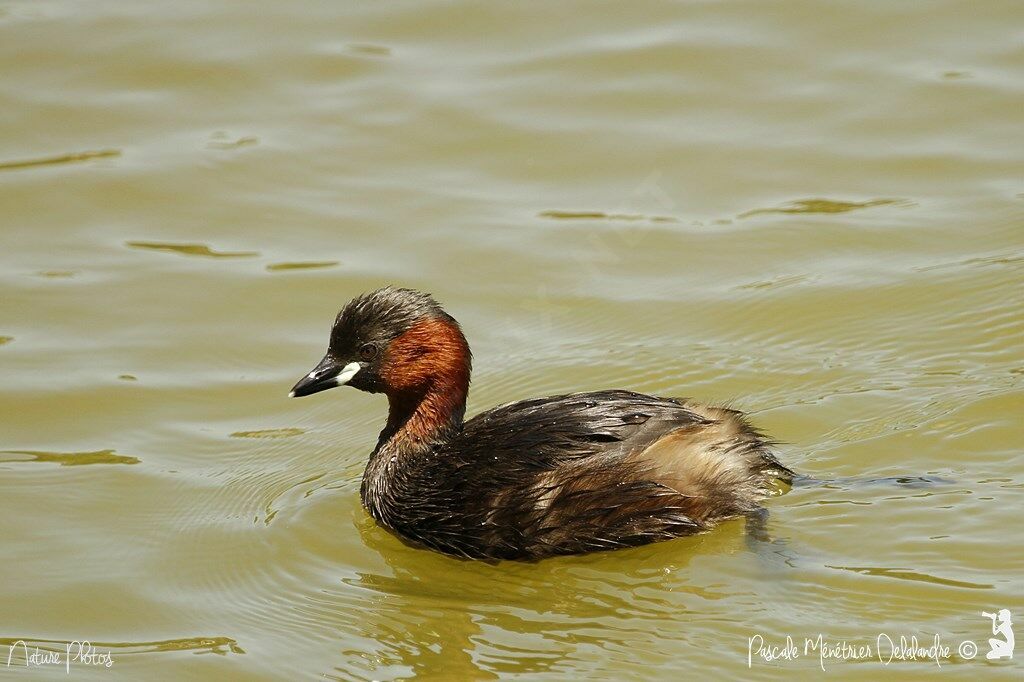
(566, 474)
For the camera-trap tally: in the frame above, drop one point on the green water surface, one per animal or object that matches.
(811, 211)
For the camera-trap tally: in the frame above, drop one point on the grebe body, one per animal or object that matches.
(566, 474)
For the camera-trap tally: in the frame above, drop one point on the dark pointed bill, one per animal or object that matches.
(327, 374)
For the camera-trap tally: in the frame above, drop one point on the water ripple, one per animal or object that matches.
(286, 432)
(301, 265)
(600, 215)
(74, 157)
(190, 249)
(825, 206)
(67, 459)
(909, 574)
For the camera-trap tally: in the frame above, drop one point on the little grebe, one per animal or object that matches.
(536, 478)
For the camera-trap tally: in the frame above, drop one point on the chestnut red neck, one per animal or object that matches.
(426, 372)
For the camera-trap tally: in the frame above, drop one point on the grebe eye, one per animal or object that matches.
(367, 351)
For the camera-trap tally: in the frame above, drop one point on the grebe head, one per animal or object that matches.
(394, 341)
